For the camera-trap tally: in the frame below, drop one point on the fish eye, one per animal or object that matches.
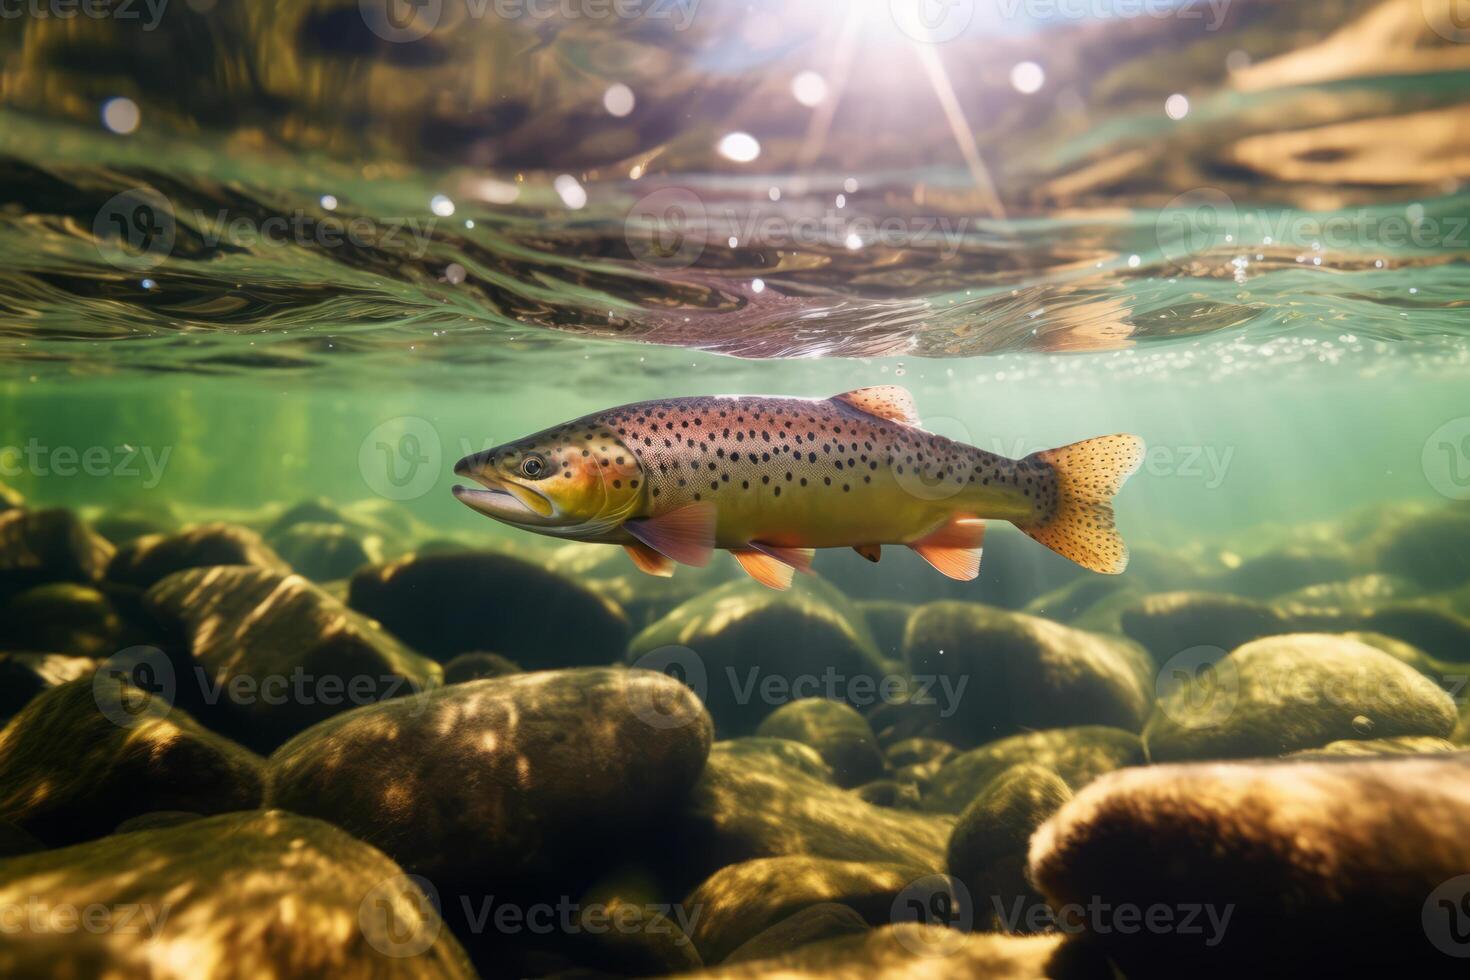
(533, 467)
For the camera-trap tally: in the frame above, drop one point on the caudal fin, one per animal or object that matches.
(1088, 474)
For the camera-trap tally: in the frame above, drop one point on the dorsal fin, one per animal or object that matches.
(885, 401)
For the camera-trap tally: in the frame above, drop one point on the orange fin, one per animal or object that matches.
(686, 535)
(765, 569)
(1088, 473)
(872, 552)
(798, 558)
(954, 549)
(884, 401)
(650, 561)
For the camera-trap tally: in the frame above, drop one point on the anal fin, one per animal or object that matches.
(798, 558)
(650, 561)
(954, 549)
(765, 569)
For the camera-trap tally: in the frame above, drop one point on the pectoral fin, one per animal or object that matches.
(765, 569)
(650, 561)
(686, 535)
(954, 549)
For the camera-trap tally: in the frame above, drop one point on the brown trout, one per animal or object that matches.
(772, 479)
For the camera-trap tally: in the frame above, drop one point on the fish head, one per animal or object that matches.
(577, 480)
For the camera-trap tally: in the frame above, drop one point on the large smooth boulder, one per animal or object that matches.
(1290, 567)
(738, 901)
(63, 617)
(324, 552)
(52, 545)
(1297, 691)
(988, 848)
(447, 604)
(25, 675)
(1291, 869)
(1432, 550)
(273, 654)
(142, 562)
(501, 776)
(838, 733)
(813, 924)
(747, 650)
(243, 895)
(1078, 755)
(85, 755)
(1167, 623)
(1023, 672)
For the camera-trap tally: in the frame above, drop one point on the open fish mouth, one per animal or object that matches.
(498, 503)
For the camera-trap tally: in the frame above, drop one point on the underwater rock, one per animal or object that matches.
(887, 620)
(42, 546)
(447, 604)
(813, 924)
(85, 755)
(1430, 624)
(999, 672)
(1400, 745)
(62, 616)
(739, 901)
(15, 842)
(917, 751)
(324, 552)
(1066, 604)
(1290, 692)
(890, 793)
(1323, 868)
(1078, 755)
(1289, 568)
(157, 820)
(627, 927)
(1361, 590)
(145, 561)
(478, 666)
(747, 649)
(274, 654)
(1167, 623)
(782, 750)
(1432, 550)
(25, 675)
(503, 775)
(913, 949)
(256, 894)
(839, 734)
(989, 846)
(747, 806)
(123, 526)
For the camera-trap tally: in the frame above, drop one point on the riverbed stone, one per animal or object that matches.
(25, 675)
(1291, 692)
(144, 561)
(748, 649)
(1078, 755)
(839, 734)
(1290, 567)
(782, 750)
(50, 545)
(1023, 672)
(324, 552)
(85, 755)
(455, 602)
(1430, 549)
(1167, 623)
(254, 894)
(813, 924)
(739, 901)
(62, 616)
(478, 665)
(988, 848)
(273, 654)
(1329, 868)
(501, 776)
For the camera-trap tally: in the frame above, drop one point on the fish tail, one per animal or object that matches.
(1088, 474)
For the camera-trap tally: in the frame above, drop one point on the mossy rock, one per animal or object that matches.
(1289, 568)
(999, 672)
(1167, 623)
(837, 732)
(778, 750)
(144, 561)
(813, 924)
(1298, 691)
(62, 616)
(1432, 550)
(447, 604)
(477, 666)
(90, 753)
(253, 894)
(23, 676)
(53, 545)
(1078, 755)
(325, 552)
(504, 776)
